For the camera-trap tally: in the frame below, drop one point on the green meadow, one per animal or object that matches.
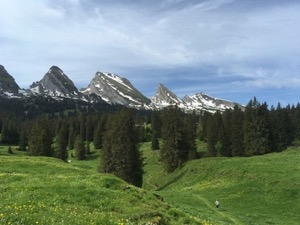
(251, 190)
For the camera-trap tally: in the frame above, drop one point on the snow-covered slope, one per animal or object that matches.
(198, 102)
(116, 90)
(201, 101)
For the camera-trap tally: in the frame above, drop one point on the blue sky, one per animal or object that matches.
(230, 49)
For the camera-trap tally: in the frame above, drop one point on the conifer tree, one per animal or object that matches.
(256, 128)
(82, 122)
(213, 134)
(225, 134)
(40, 138)
(23, 139)
(237, 134)
(62, 143)
(120, 153)
(72, 135)
(98, 134)
(174, 151)
(190, 124)
(281, 134)
(154, 141)
(80, 152)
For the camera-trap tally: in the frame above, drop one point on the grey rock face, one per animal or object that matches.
(55, 83)
(7, 82)
(164, 97)
(115, 90)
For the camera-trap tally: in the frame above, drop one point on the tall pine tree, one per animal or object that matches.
(174, 151)
(40, 138)
(120, 153)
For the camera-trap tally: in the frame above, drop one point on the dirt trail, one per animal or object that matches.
(225, 215)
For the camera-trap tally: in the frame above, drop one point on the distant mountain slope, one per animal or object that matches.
(115, 90)
(198, 102)
(201, 101)
(8, 86)
(164, 97)
(109, 88)
(55, 83)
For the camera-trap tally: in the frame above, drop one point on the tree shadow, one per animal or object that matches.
(172, 181)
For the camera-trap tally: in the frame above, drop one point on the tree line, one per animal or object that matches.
(254, 130)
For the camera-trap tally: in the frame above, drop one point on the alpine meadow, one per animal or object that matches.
(83, 164)
(139, 112)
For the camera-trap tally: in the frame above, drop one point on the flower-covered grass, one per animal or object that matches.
(40, 190)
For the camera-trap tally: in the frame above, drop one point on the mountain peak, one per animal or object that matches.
(55, 83)
(55, 70)
(165, 97)
(7, 83)
(115, 90)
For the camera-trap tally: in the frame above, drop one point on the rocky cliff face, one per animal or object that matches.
(8, 86)
(164, 97)
(55, 83)
(115, 90)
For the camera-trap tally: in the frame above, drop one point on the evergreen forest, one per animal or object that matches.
(45, 127)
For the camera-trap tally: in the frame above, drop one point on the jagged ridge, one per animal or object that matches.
(112, 89)
(115, 90)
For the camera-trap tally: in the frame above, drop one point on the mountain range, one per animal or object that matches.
(110, 88)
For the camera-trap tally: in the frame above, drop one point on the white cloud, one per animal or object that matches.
(256, 45)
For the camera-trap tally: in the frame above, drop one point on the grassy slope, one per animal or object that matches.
(40, 190)
(255, 190)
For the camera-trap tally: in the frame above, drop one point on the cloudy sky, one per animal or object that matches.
(230, 49)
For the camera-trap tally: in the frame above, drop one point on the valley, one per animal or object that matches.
(251, 190)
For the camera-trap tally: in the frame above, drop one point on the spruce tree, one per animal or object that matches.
(190, 124)
(72, 134)
(62, 143)
(237, 134)
(154, 141)
(174, 151)
(80, 152)
(98, 134)
(120, 153)
(40, 138)
(214, 134)
(225, 134)
(256, 129)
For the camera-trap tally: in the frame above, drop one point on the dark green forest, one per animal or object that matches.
(47, 127)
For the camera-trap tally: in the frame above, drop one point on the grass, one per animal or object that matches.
(253, 190)
(41, 190)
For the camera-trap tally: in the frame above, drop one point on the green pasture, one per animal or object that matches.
(251, 190)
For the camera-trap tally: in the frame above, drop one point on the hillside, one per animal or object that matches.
(251, 190)
(39, 190)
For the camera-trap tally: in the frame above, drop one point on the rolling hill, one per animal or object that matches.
(251, 190)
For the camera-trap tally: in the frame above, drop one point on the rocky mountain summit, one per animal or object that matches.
(115, 90)
(8, 86)
(108, 88)
(55, 83)
(164, 97)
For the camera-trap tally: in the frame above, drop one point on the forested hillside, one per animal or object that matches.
(45, 127)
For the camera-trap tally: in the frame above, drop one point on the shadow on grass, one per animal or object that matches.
(172, 181)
